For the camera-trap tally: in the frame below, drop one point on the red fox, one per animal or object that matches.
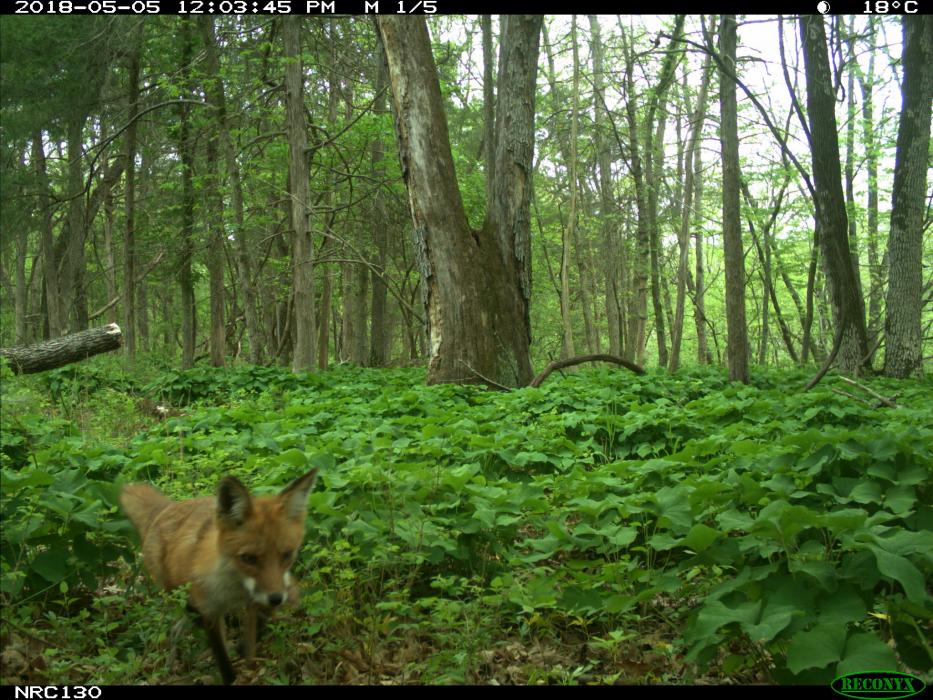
(235, 550)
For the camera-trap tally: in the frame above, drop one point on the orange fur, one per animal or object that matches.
(234, 549)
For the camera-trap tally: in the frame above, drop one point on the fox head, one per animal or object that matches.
(260, 536)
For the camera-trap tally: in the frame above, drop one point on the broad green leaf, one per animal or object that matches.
(900, 500)
(901, 570)
(865, 652)
(293, 457)
(663, 541)
(715, 614)
(784, 599)
(51, 565)
(816, 648)
(841, 607)
(823, 572)
(700, 537)
(619, 603)
(622, 536)
(734, 520)
(867, 492)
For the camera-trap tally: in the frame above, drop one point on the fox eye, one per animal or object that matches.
(249, 559)
(286, 556)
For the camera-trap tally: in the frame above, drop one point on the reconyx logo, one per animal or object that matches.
(888, 685)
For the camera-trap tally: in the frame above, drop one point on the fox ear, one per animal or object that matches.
(295, 495)
(233, 501)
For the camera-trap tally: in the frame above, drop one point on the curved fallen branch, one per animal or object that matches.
(579, 360)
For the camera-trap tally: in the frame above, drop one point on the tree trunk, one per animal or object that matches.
(186, 152)
(876, 267)
(573, 245)
(129, 237)
(687, 213)
(808, 342)
(62, 351)
(142, 316)
(215, 255)
(607, 203)
(737, 339)
(379, 338)
(581, 245)
(216, 95)
(303, 252)
(476, 285)
(645, 160)
(654, 148)
(654, 178)
(832, 225)
(765, 305)
(110, 258)
(699, 303)
(641, 260)
(326, 301)
(850, 160)
(903, 337)
(352, 322)
(568, 239)
(764, 257)
(20, 288)
(489, 105)
(47, 241)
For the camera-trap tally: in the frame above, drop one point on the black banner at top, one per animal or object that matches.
(468, 7)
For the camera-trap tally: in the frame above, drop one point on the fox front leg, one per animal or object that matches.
(254, 625)
(215, 635)
(248, 638)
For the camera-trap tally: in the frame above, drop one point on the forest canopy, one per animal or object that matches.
(157, 172)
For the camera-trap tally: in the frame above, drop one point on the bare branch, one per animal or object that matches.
(580, 359)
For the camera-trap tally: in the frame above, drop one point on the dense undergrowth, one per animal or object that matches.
(604, 528)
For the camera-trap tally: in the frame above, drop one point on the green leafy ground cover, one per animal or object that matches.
(603, 528)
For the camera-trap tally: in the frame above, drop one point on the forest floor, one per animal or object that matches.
(605, 528)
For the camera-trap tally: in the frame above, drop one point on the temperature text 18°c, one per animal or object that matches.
(883, 7)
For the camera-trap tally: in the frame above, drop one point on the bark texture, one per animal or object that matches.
(903, 336)
(831, 220)
(737, 341)
(303, 358)
(475, 284)
(58, 352)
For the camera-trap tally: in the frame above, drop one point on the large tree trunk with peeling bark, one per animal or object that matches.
(476, 285)
(62, 351)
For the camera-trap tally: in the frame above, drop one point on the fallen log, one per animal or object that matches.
(58, 352)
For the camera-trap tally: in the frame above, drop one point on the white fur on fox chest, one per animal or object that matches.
(224, 589)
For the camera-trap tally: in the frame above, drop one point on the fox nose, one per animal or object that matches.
(276, 599)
